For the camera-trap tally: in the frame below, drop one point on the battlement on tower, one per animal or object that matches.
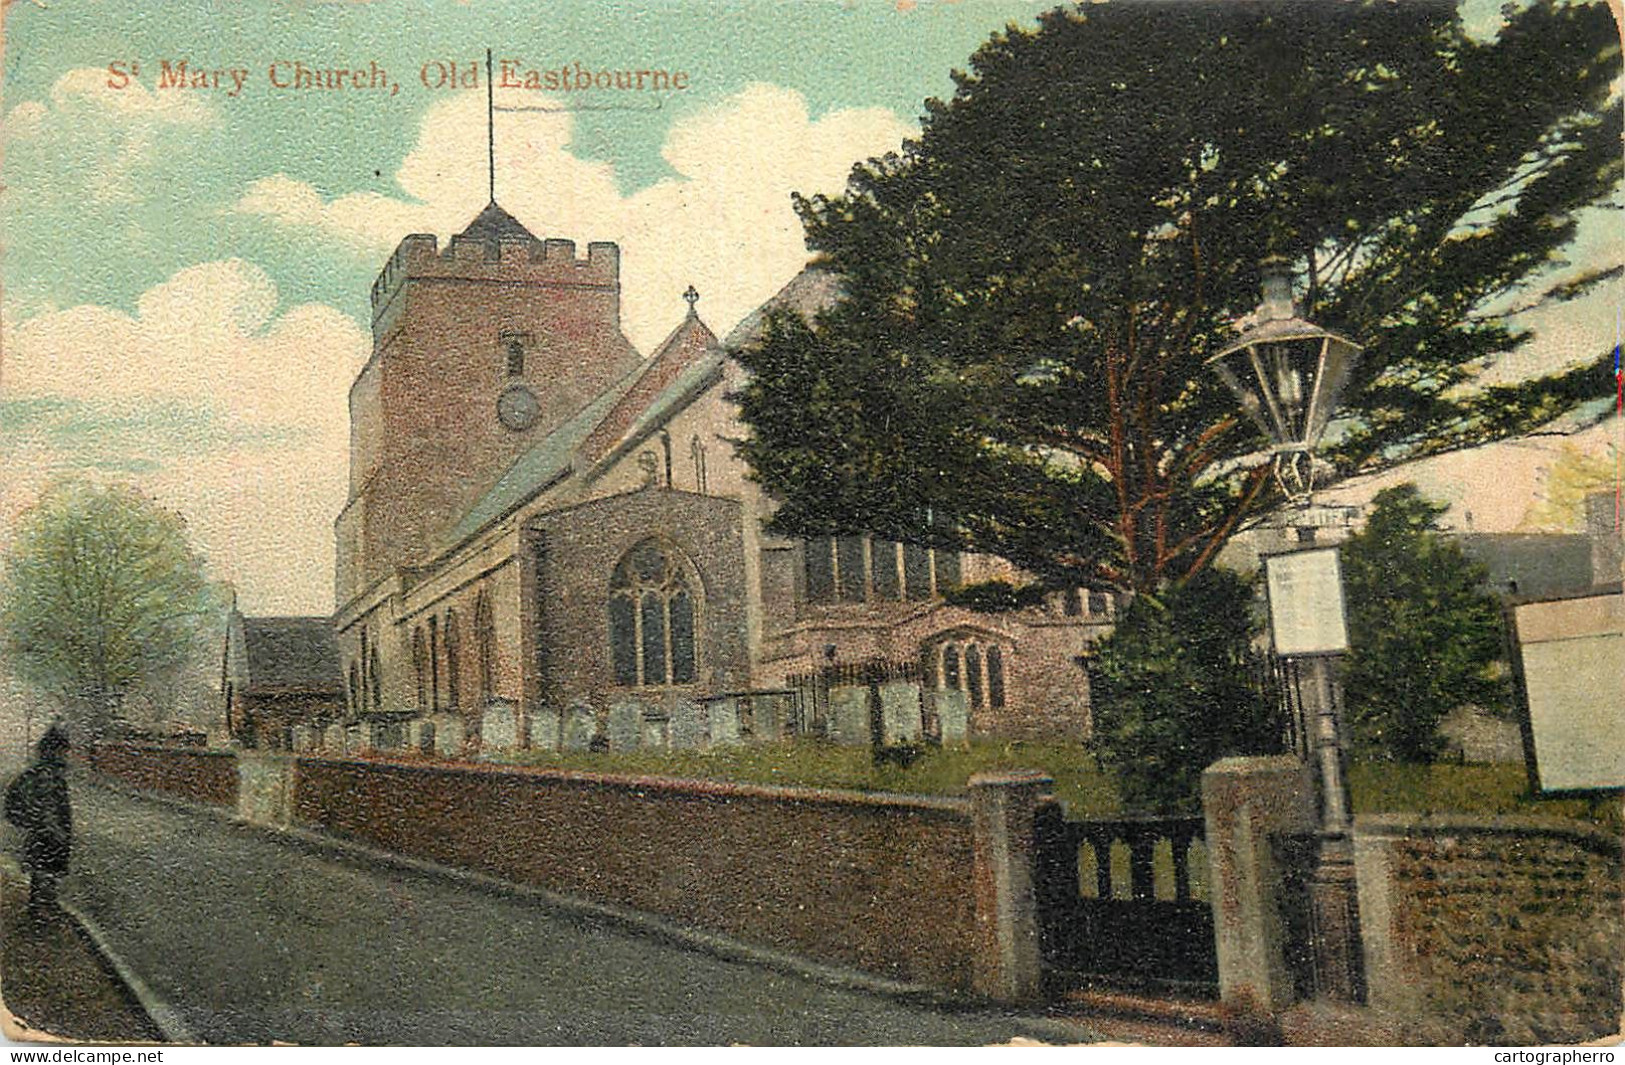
(534, 262)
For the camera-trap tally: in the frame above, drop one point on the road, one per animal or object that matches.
(251, 939)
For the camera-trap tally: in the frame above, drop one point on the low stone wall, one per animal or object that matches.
(886, 884)
(204, 776)
(1504, 931)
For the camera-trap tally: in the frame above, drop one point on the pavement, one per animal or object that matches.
(53, 981)
(238, 936)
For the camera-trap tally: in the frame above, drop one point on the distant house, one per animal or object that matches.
(1531, 565)
(279, 673)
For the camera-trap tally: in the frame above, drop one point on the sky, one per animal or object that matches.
(186, 270)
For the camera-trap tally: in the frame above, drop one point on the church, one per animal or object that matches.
(550, 541)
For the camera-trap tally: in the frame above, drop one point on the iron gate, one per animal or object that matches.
(1123, 903)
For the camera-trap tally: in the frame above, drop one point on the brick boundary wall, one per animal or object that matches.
(205, 776)
(885, 884)
(1506, 931)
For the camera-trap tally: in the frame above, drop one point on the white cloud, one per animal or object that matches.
(222, 409)
(93, 139)
(92, 89)
(207, 333)
(724, 224)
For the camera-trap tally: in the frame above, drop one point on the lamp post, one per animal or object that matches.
(1288, 375)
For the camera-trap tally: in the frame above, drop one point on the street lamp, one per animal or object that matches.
(1289, 374)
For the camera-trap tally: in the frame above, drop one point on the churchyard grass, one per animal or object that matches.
(1484, 790)
(1087, 790)
(1079, 781)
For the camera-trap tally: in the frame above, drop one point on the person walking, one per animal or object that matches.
(37, 803)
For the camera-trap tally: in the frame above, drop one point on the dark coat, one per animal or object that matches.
(37, 803)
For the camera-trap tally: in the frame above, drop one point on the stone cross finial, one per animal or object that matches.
(693, 297)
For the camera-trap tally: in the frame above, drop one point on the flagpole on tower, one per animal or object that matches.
(490, 125)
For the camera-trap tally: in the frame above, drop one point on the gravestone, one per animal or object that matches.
(544, 729)
(498, 727)
(304, 737)
(900, 711)
(333, 739)
(849, 714)
(722, 721)
(580, 728)
(447, 741)
(656, 730)
(387, 735)
(953, 715)
(688, 727)
(772, 716)
(355, 740)
(625, 725)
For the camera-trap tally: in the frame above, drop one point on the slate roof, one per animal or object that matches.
(292, 653)
(494, 223)
(1541, 564)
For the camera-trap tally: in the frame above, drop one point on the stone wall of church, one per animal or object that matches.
(704, 462)
(1049, 690)
(578, 550)
(442, 621)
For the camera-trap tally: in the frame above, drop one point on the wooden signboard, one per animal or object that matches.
(1571, 659)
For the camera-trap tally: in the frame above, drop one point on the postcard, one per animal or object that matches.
(879, 522)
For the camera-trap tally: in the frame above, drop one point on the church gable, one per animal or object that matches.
(668, 380)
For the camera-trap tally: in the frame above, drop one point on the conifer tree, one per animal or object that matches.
(1031, 288)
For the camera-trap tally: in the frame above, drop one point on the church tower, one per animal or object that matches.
(480, 350)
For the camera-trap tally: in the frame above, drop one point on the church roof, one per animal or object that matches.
(689, 361)
(539, 467)
(494, 223)
(810, 291)
(292, 653)
(687, 345)
(639, 401)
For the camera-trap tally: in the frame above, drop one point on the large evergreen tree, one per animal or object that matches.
(1031, 287)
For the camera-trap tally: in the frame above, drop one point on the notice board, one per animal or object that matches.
(1572, 666)
(1306, 602)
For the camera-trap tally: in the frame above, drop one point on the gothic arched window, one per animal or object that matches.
(454, 673)
(995, 675)
(652, 617)
(485, 647)
(513, 346)
(858, 569)
(975, 667)
(419, 654)
(434, 664)
(377, 681)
